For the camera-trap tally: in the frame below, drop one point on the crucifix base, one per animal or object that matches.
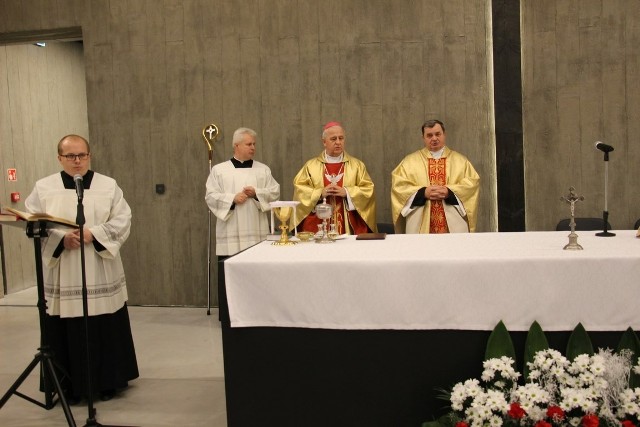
(573, 244)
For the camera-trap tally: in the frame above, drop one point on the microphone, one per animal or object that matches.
(79, 186)
(603, 147)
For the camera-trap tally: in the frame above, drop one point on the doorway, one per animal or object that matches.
(43, 97)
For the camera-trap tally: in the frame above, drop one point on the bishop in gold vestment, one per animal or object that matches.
(340, 178)
(435, 189)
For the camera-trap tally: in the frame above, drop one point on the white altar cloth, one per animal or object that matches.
(450, 281)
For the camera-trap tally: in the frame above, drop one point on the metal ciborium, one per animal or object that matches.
(324, 212)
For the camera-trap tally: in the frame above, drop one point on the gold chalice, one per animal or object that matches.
(284, 214)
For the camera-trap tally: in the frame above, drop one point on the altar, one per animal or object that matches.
(365, 332)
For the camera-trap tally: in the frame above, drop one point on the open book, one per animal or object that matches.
(20, 215)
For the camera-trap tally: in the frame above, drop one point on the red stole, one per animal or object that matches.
(437, 176)
(358, 226)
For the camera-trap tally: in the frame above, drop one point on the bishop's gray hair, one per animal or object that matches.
(324, 132)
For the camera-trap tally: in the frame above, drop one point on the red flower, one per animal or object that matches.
(516, 412)
(590, 421)
(555, 413)
(542, 423)
(627, 423)
(461, 424)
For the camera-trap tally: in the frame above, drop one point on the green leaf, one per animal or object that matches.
(579, 343)
(536, 341)
(630, 341)
(444, 421)
(499, 343)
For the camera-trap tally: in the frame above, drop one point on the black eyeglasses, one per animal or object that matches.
(72, 157)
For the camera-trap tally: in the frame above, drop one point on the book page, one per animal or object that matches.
(41, 216)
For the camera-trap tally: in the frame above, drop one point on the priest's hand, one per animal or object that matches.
(240, 198)
(436, 192)
(250, 192)
(334, 190)
(87, 234)
(72, 239)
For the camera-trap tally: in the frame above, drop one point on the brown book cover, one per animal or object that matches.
(371, 236)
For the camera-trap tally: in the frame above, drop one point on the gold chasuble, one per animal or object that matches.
(420, 169)
(351, 174)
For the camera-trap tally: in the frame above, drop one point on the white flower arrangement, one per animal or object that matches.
(588, 391)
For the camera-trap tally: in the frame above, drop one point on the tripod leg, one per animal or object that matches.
(49, 369)
(47, 384)
(20, 380)
(63, 401)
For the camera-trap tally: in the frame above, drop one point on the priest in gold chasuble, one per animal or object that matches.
(340, 178)
(435, 189)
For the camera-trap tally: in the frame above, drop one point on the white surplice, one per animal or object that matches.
(247, 223)
(108, 217)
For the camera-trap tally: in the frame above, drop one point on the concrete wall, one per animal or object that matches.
(43, 98)
(158, 72)
(581, 67)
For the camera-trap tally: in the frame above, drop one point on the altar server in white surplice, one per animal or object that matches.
(238, 193)
(107, 225)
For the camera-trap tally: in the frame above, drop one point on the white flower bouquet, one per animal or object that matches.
(586, 390)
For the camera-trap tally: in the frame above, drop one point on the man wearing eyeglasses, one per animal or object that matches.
(239, 191)
(108, 222)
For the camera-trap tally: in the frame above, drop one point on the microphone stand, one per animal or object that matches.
(80, 220)
(605, 213)
(45, 357)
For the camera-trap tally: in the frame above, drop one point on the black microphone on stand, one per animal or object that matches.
(79, 186)
(80, 220)
(603, 147)
(606, 149)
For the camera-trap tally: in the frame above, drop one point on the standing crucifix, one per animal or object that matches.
(572, 198)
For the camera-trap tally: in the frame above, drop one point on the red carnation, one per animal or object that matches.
(555, 413)
(627, 423)
(461, 424)
(516, 412)
(542, 423)
(590, 421)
